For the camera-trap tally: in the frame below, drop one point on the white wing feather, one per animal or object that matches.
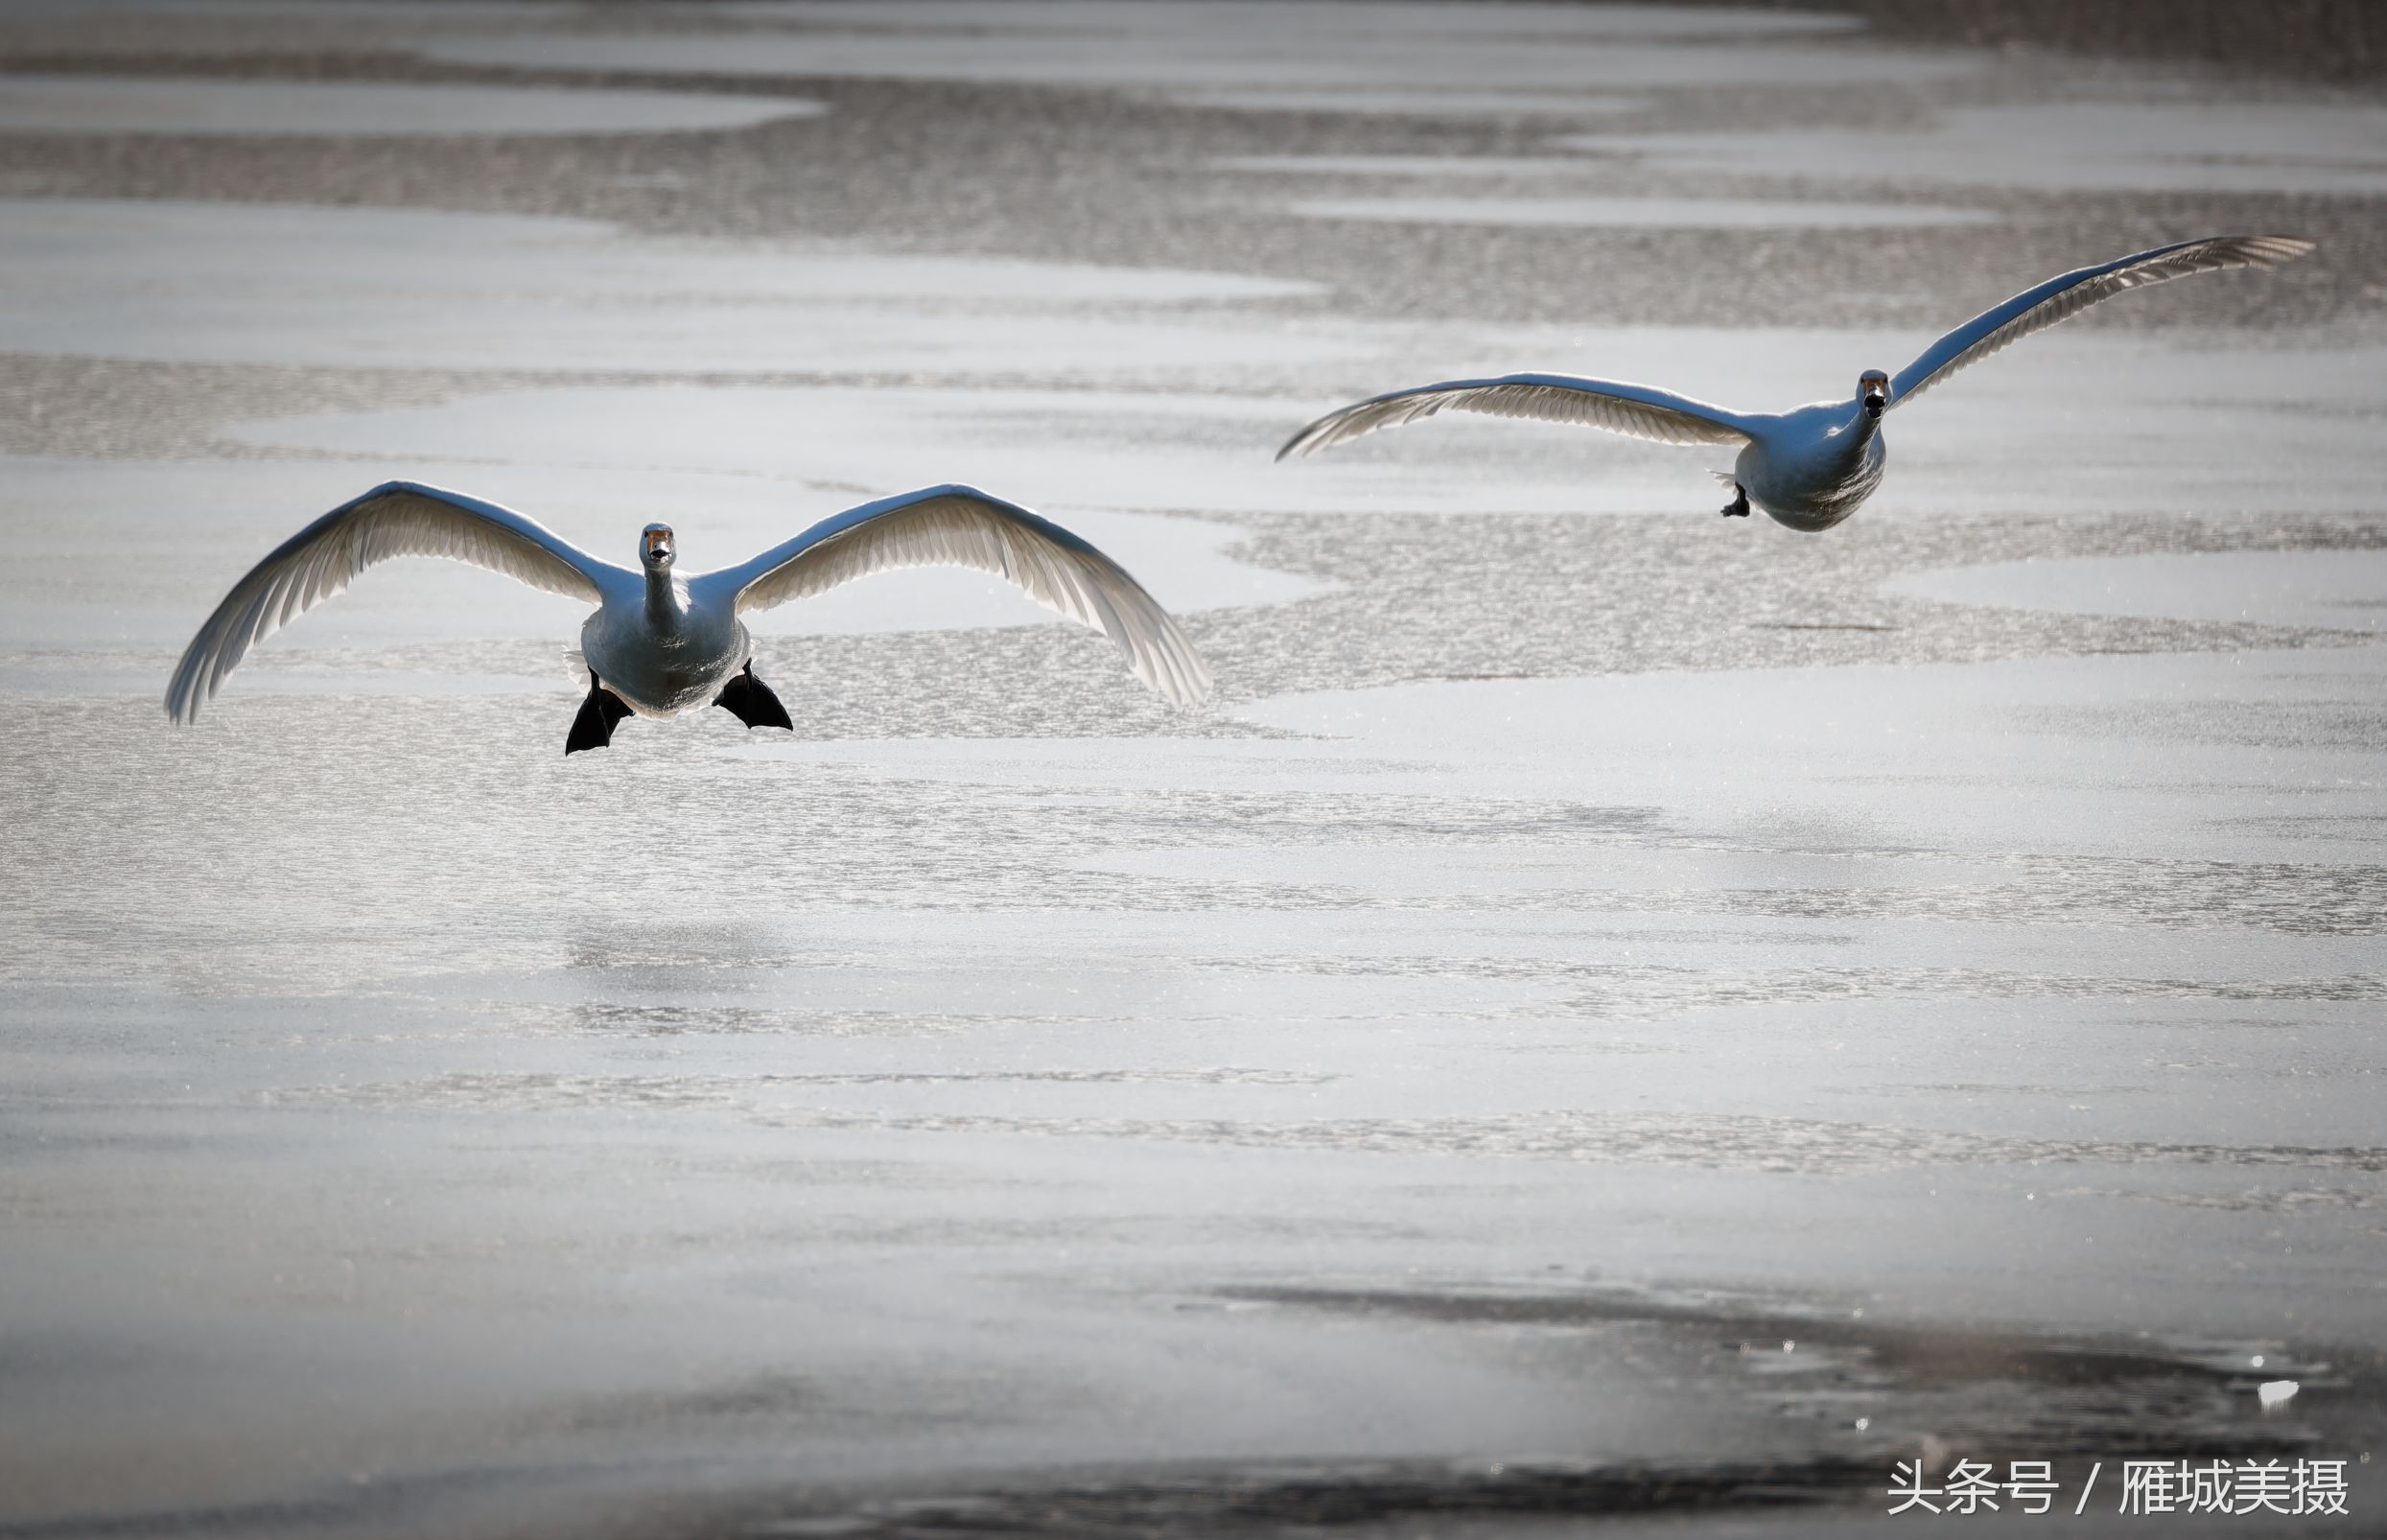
(2067, 294)
(963, 526)
(395, 518)
(1638, 412)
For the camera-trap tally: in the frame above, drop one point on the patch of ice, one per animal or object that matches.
(380, 288)
(2059, 755)
(2150, 145)
(1468, 166)
(2341, 590)
(1054, 450)
(1532, 49)
(1643, 213)
(1179, 18)
(1415, 104)
(85, 103)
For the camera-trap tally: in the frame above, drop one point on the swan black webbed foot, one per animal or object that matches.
(750, 700)
(1739, 506)
(600, 714)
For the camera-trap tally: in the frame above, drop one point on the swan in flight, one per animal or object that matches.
(1812, 466)
(660, 643)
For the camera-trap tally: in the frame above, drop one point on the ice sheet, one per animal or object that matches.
(1466, 166)
(2168, 142)
(1530, 50)
(2343, 590)
(1892, 759)
(93, 103)
(1643, 213)
(376, 287)
(1432, 26)
(452, 256)
(1416, 102)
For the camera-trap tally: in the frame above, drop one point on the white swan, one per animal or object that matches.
(660, 643)
(1810, 467)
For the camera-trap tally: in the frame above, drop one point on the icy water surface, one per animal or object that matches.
(1612, 1016)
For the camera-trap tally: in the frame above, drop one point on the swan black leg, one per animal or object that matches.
(599, 713)
(1739, 506)
(750, 700)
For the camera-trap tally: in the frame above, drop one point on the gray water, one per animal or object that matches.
(1610, 1015)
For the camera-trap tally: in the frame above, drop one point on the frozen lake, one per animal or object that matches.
(1611, 1017)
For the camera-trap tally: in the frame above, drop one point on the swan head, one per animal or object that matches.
(1873, 389)
(654, 548)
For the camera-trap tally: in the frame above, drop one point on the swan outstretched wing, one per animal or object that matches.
(1640, 411)
(395, 518)
(963, 526)
(2067, 294)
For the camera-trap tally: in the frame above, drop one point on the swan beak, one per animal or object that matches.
(1877, 401)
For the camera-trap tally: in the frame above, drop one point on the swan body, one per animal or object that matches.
(659, 648)
(1814, 466)
(1811, 467)
(659, 643)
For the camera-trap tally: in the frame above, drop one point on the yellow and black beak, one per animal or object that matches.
(657, 546)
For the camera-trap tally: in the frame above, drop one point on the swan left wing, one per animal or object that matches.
(963, 526)
(395, 518)
(2067, 294)
(1638, 412)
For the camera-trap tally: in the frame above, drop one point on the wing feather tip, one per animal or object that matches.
(1305, 441)
(2275, 250)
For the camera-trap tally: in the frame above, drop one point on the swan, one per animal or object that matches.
(660, 643)
(1810, 467)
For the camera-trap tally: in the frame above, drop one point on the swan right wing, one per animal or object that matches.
(2067, 294)
(1638, 412)
(395, 518)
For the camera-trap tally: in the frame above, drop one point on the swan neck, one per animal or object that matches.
(666, 598)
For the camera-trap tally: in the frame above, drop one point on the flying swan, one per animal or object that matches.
(659, 643)
(1810, 467)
